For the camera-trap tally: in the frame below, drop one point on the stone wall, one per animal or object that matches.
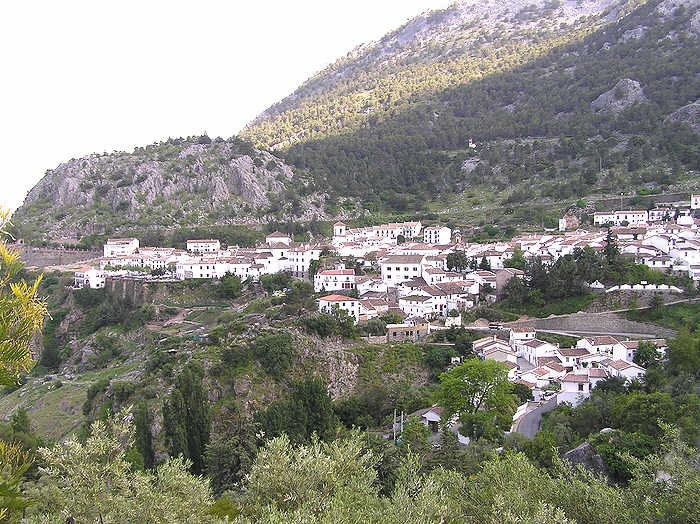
(128, 290)
(45, 256)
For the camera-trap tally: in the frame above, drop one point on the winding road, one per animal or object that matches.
(529, 424)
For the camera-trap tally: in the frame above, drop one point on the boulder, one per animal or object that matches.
(587, 456)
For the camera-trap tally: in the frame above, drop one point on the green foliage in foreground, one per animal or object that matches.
(338, 482)
(94, 482)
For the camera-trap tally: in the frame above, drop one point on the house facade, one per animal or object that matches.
(331, 303)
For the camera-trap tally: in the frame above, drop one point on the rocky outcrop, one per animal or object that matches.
(183, 182)
(688, 114)
(588, 457)
(626, 93)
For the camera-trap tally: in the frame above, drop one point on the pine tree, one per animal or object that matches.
(174, 424)
(186, 418)
(143, 437)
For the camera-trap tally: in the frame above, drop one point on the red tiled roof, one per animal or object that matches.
(338, 298)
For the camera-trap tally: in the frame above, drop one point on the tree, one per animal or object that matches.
(300, 298)
(517, 260)
(537, 276)
(143, 440)
(186, 417)
(22, 313)
(612, 257)
(231, 454)
(477, 390)
(275, 282)
(684, 354)
(647, 355)
(457, 261)
(93, 482)
(656, 304)
(516, 291)
(485, 264)
(230, 286)
(523, 392)
(308, 411)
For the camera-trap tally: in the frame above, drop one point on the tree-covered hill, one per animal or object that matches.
(561, 99)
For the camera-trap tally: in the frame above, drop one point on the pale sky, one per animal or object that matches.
(92, 76)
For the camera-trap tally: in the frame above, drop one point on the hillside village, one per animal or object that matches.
(429, 278)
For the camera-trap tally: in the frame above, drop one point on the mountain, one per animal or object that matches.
(178, 183)
(561, 99)
(505, 112)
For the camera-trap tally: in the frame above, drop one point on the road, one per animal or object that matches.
(530, 423)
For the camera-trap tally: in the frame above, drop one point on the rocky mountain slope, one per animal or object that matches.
(393, 120)
(181, 182)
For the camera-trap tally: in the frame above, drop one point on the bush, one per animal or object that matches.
(275, 282)
(274, 352)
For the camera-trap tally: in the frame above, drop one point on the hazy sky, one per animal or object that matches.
(91, 76)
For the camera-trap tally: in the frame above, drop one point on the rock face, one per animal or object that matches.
(626, 92)
(688, 114)
(586, 455)
(181, 182)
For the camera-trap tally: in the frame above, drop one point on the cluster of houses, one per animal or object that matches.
(539, 365)
(206, 258)
(566, 374)
(406, 262)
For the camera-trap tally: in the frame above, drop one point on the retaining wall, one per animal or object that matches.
(609, 323)
(44, 256)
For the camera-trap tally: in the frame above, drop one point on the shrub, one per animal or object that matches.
(274, 352)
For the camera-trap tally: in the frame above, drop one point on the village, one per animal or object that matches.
(408, 271)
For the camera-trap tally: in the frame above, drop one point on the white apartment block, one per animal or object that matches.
(437, 235)
(299, 258)
(278, 238)
(203, 246)
(120, 246)
(617, 218)
(399, 268)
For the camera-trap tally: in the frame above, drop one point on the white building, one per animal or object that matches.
(618, 218)
(331, 303)
(299, 258)
(602, 344)
(533, 349)
(89, 277)
(120, 246)
(521, 335)
(399, 268)
(695, 201)
(278, 238)
(334, 279)
(622, 368)
(437, 235)
(203, 246)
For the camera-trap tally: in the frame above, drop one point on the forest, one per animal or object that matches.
(398, 135)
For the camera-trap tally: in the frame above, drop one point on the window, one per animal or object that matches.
(580, 387)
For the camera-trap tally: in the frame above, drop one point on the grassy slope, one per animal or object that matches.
(57, 412)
